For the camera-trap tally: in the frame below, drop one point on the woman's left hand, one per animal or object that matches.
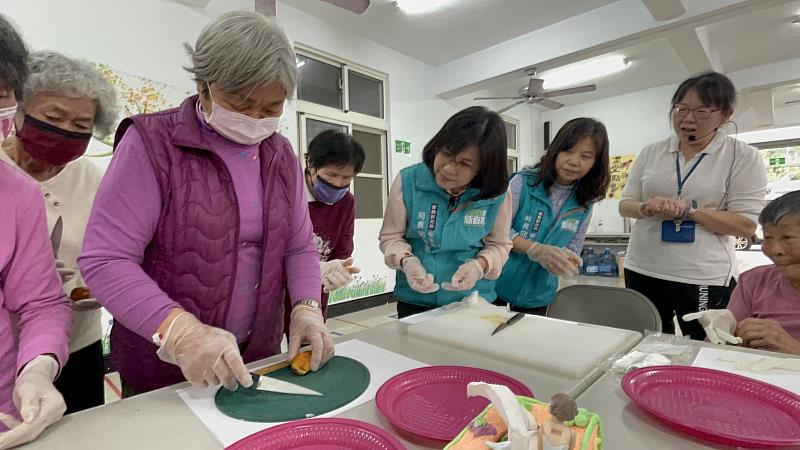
(307, 325)
(465, 277)
(767, 334)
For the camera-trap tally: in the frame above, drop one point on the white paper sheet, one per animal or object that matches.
(382, 365)
(719, 359)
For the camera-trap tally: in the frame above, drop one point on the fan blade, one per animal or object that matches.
(535, 87)
(266, 7)
(547, 103)
(497, 98)
(570, 91)
(511, 106)
(354, 6)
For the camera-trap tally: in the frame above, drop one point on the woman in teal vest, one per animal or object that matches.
(552, 206)
(447, 218)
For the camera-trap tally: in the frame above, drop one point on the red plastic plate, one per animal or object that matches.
(717, 406)
(320, 434)
(431, 402)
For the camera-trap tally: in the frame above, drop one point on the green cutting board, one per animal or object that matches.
(341, 380)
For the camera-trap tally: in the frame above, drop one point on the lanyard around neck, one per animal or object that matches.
(682, 181)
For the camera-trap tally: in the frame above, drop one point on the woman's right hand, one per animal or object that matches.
(669, 208)
(418, 278)
(555, 260)
(207, 356)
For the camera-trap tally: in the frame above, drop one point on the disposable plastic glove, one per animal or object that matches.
(39, 403)
(555, 260)
(307, 325)
(337, 273)
(718, 323)
(418, 278)
(465, 277)
(63, 272)
(207, 356)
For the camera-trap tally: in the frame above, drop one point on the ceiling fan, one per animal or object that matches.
(534, 93)
(268, 6)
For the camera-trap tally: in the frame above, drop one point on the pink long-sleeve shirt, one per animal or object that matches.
(30, 287)
(125, 216)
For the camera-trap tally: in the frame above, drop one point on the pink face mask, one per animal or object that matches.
(240, 128)
(7, 121)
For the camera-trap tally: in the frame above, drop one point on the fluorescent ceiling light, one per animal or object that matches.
(421, 6)
(581, 72)
(301, 63)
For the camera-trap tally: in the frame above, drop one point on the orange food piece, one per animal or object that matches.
(79, 293)
(301, 364)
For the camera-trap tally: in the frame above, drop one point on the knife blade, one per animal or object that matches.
(55, 236)
(511, 321)
(283, 387)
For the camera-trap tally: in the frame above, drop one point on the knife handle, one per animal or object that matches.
(272, 368)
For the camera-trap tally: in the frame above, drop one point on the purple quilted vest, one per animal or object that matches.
(193, 253)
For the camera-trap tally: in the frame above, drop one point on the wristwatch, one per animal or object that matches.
(692, 207)
(311, 303)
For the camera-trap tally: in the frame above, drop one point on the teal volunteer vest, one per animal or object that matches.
(443, 236)
(525, 283)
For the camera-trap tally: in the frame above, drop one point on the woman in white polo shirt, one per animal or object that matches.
(692, 193)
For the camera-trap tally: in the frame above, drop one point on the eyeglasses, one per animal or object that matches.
(702, 112)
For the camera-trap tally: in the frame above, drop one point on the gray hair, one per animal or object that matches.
(242, 51)
(51, 71)
(783, 206)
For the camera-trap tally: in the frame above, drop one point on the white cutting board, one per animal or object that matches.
(562, 348)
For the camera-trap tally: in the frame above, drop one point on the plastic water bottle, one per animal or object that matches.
(607, 265)
(590, 263)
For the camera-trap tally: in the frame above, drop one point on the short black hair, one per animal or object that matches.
(783, 206)
(713, 88)
(594, 185)
(332, 147)
(475, 126)
(13, 58)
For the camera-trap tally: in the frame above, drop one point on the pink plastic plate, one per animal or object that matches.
(718, 406)
(432, 402)
(320, 434)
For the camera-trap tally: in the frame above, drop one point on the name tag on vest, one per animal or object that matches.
(475, 218)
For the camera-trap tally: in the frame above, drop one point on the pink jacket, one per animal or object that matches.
(30, 287)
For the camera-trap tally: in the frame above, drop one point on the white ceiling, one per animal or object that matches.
(456, 31)
(761, 37)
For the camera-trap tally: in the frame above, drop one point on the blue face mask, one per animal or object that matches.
(326, 192)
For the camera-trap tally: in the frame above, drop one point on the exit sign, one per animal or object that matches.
(402, 147)
(777, 161)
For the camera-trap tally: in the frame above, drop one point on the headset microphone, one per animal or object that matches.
(693, 138)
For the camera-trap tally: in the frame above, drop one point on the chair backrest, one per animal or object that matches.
(606, 306)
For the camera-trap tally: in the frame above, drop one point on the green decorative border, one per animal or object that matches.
(528, 404)
(359, 288)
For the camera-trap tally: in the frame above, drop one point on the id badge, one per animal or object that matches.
(681, 232)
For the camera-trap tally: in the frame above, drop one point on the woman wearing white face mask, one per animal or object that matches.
(216, 224)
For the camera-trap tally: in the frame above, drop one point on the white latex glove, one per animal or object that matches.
(555, 260)
(207, 356)
(418, 278)
(65, 274)
(307, 325)
(465, 277)
(337, 273)
(39, 403)
(718, 323)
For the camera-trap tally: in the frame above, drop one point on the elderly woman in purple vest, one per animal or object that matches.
(35, 345)
(201, 222)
